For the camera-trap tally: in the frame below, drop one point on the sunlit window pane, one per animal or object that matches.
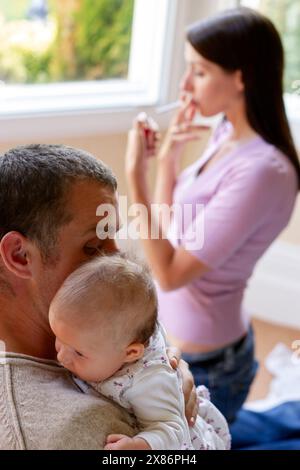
(46, 41)
(286, 16)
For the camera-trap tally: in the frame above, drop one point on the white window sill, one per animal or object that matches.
(90, 117)
(62, 113)
(44, 112)
(32, 100)
(69, 110)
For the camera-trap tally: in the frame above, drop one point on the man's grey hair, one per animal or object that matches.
(112, 292)
(35, 181)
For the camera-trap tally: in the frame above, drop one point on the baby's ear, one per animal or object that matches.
(134, 352)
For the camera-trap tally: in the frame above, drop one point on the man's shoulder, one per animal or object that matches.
(52, 412)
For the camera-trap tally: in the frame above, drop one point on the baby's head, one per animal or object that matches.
(103, 316)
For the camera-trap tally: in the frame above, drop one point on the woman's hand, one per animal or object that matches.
(143, 140)
(188, 385)
(182, 129)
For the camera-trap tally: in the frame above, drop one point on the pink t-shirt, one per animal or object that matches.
(248, 197)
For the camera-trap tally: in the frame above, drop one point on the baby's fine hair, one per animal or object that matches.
(115, 292)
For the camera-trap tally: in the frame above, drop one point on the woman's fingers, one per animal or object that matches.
(148, 138)
(186, 132)
(190, 113)
(183, 138)
(187, 110)
(148, 130)
(188, 127)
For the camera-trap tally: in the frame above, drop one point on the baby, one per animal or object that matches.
(107, 334)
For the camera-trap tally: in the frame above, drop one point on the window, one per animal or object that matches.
(117, 68)
(92, 101)
(45, 41)
(286, 16)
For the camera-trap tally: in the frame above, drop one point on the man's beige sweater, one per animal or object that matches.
(42, 408)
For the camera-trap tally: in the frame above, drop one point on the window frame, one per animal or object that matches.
(104, 106)
(291, 100)
(108, 107)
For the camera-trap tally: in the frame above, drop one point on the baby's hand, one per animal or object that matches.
(122, 442)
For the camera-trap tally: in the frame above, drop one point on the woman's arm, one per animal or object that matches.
(166, 174)
(172, 268)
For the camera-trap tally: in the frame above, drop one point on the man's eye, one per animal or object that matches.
(79, 354)
(92, 250)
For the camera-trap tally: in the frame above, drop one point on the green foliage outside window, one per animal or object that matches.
(286, 16)
(79, 40)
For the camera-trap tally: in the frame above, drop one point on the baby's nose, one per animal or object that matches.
(64, 356)
(57, 345)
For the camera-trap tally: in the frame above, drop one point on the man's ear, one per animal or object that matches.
(134, 352)
(15, 254)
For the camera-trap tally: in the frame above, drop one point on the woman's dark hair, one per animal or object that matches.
(243, 39)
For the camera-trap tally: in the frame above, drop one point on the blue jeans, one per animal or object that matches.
(228, 374)
(275, 429)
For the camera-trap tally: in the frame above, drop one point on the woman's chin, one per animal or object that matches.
(205, 113)
(201, 111)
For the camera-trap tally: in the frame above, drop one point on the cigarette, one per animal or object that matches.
(168, 107)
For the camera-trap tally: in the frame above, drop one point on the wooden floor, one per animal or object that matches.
(267, 336)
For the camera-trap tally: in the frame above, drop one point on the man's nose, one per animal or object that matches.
(111, 247)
